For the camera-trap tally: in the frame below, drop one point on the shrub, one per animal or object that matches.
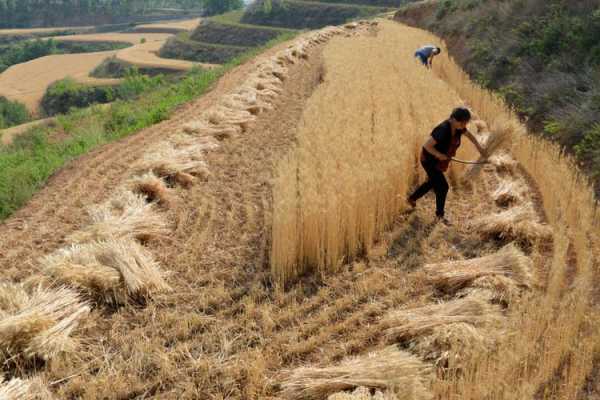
(12, 113)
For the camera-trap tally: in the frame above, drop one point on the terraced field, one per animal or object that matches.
(275, 249)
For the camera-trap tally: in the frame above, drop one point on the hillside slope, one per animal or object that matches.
(541, 56)
(283, 138)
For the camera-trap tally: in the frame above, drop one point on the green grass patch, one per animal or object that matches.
(181, 47)
(12, 113)
(33, 157)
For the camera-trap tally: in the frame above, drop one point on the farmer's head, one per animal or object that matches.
(437, 51)
(460, 117)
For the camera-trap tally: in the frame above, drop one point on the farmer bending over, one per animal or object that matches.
(426, 53)
(436, 155)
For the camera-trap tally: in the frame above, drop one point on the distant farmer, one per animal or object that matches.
(436, 155)
(426, 53)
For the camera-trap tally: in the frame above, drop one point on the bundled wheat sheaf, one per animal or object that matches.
(517, 223)
(509, 192)
(455, 275)
(496, 288)
(111, 270)
(24, 389)
(408, 324)
(504, 162)
(153, 187)
(388, 369)
(38, 323)
(124, 215)
(235, 112)
(363, 393)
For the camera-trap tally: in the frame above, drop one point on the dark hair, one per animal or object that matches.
(439, 50)
(461, 114)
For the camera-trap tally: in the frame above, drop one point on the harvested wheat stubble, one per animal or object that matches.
(389, 369)
(111, 271)
(41, 326)
(124, 215)
(24, 389)
(454, 275)
(153, 187)
(363, 393)
(517, 223)
(410, 323)
(509, 192)
(178, 164)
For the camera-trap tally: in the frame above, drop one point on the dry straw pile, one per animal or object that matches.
(454, 275)
(388, 369)
(24, 389)
(38, 323)
(509, 192)
(363, 393)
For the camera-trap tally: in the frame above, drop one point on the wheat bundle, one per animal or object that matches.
(246, 99)
(24, 389)
(501, 132)
(516, 223)
(454, 275)
(389, 368)
(42, 326)
(110, 271)
(481, 125)
(509, 192)
(363, 393)
(181, 165)
(453, 345)
(504, 162)
(206, 129)
(351, 25)
(410, 323)
(151, 186)
(12, 298)
(496, 288)
(271, 67)
(124, 215)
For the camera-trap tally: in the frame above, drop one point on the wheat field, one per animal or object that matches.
(265, 250)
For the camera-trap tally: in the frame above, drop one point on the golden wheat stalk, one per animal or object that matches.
(411, 323)
(42, 326)
(500, 133)
(454, 275)
(363, 393)
(389, 368)
(124, 215)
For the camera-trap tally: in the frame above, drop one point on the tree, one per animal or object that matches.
(213, 7)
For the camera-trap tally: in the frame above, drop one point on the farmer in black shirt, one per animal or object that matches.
(436, 155)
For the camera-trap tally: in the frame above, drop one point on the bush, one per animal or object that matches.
(180, 47)
(12, 113)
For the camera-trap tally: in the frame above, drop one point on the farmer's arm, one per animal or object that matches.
(431, 60)
(476, 143)
(429, 146)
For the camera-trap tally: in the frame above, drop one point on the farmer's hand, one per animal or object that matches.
(443, 157)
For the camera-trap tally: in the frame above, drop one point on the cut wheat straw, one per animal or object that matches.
(110, 270)
(363, 393)
(501, 132)
(386, 369)
(454, 275)
(504, 162)
(496, 288)
(509, 192)
(42, 325)
(410, 323)
(24, 389)
(517, 223)
(153, 187)
(454, 345)
(124, 215)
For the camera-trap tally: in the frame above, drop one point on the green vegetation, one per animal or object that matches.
(12, 113)
(112, 67)
(33, 157)
(304, 14)
(374, 3)
(65, 94)
(214, 32)
(32, 13)
(182, 48)
(21, 52)
(543, 57)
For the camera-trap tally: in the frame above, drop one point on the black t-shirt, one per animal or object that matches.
(443, 136)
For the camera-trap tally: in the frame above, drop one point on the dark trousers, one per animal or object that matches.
(437, 182)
